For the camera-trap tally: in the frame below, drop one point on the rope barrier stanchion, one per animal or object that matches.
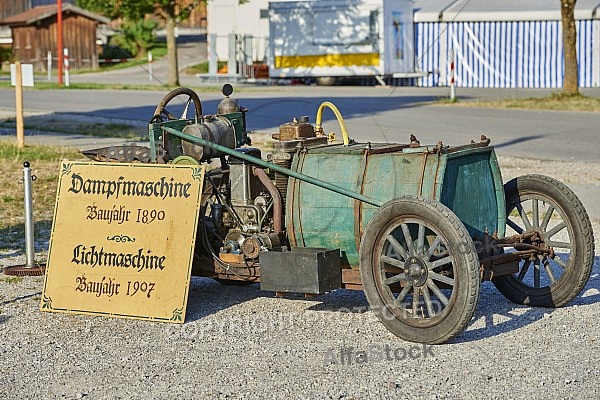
(31, 268)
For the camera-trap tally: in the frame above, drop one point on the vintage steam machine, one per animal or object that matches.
(418, 228)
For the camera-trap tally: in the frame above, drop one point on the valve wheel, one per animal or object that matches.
(420, 270)
(161, 112)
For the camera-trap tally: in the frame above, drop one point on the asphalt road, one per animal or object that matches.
(371, 114)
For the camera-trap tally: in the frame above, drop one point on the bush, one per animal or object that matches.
(6, 54)
(135, 37)
(109, 51)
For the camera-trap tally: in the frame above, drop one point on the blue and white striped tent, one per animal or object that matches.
(503, 44)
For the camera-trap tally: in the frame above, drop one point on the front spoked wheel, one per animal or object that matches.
(420, 270)
(544, 206)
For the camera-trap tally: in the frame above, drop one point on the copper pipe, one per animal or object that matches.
(277, 201)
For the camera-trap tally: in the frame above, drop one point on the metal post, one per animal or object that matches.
(150, 66)
(27, 179)
(31, 268)
(248, 56)
(49, 66)
(67, 80)
(452, 86)
(212, 54)
(232, 56)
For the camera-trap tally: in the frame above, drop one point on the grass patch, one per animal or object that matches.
(554, 102)
(45, 85)
(12, 279)
(158, 50)
(45, 163)
(202, 68)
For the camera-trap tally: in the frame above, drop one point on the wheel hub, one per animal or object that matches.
(416, 271)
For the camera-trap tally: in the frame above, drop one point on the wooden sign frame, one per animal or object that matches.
(123, 239)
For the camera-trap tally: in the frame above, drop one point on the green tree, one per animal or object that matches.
(135, 37)
(133, 11)
(571, 78)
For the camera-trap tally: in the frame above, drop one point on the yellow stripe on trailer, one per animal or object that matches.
(327, 60)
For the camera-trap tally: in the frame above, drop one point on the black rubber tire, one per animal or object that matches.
(576, 274)
(463, 269)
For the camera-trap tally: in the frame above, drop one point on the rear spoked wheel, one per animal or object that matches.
(544, 206)
(420, 270)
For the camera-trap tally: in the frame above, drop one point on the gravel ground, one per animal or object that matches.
(238, 342)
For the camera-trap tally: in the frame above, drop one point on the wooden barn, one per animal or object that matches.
(34, 33)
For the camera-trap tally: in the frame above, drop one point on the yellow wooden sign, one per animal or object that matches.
(123, 240)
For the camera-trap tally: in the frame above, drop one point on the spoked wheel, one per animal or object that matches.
(419, 270)
(536, 203)
(161, 111)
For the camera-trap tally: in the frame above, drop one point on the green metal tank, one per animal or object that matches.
(466, 179)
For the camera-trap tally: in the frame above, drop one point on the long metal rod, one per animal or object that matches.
(265, 164)
(30, 253)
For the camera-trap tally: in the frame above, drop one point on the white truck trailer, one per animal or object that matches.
(330, 39)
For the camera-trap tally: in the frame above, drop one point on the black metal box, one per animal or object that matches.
(301, 270)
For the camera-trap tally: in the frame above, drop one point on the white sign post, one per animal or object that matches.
(66, 61)
(49, 66)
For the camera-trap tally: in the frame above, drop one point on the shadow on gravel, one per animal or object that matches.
(494, 315)
(29, 296)
(208, 296)
(343, 301)
(501, 316)
(13, 238)
(4, 318)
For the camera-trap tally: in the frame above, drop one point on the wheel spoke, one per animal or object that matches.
(436, 290)
(421, 239)
(536, 215)
(514, 225)
(536, 273)
(396, 278)
(524, 217)
(523, 271)
(442, 278)
(415, 300)
(402, 294)
(560, 262)
(392, 261)
(555, 230)
(560, 245)
(440, 262)
(548, 269)
(185, 110)
(547, 217)
(432, 247)
(397, 246)
(408, 240)
(428, 303)
(169, 115)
